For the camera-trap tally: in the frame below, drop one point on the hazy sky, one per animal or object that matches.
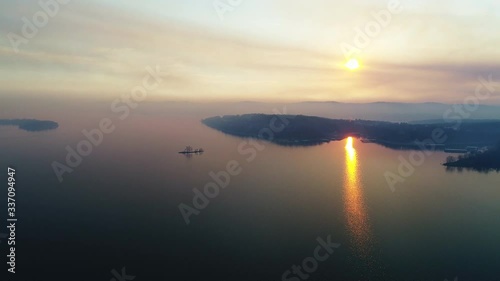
(262, 50)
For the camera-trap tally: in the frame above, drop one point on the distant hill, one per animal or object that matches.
(309, 130)
(389, 111)
(30, 125)
(382, 111)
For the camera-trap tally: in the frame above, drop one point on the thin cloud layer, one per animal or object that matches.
(429, 52)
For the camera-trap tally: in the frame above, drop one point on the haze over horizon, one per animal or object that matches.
(250, 140)
(266, 51)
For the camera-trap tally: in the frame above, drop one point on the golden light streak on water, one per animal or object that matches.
(354, 206)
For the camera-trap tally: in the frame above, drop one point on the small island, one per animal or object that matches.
(30, 125)
(483, 161)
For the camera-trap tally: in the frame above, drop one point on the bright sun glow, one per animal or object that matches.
(348, 145)
(352, 64)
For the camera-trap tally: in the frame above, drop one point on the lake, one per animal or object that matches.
(120, 207)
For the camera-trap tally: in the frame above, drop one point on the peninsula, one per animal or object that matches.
(303, 130)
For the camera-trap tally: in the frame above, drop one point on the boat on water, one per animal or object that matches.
(190, 150)
(455, 150)
(468, 149)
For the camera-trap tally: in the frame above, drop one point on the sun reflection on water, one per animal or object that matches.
(354, 205)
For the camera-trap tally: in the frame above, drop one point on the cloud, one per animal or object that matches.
(103, 49)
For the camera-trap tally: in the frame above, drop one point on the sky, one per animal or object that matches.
(259, 50)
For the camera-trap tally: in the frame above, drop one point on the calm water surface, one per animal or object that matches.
(119, 208)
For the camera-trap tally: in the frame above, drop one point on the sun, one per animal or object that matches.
(352, 64)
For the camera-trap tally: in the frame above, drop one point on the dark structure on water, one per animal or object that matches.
(190, 150)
